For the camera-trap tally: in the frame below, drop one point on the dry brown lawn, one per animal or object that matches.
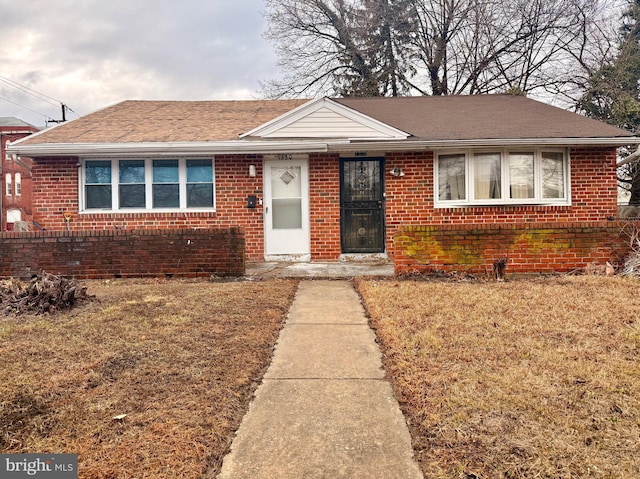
(535, 378)
(179, 358)
(528, 378)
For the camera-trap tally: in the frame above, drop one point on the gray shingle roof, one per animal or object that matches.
(10, 121)
(480, 117)
(427, 118)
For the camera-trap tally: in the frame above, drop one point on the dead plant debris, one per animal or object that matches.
(439, 275)
(631, 266)
(528, 378)
(44, 293)
(150, 381)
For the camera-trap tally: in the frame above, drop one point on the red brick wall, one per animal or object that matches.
(540, 248)
(409, 200)
(324, 187)
(56, 191)
(109, 254)
(22, 202)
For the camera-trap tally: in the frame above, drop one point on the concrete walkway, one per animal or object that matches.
(318, 270)
(324, 409)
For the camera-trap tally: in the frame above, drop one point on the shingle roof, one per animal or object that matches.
(480, 117)
(10, 121)
(426, 118)
(167, 121)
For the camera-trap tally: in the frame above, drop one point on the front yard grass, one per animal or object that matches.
(522, 379)
(148, 381)
(528, 378)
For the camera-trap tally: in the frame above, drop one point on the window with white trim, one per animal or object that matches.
(8, 184)
(502, 177)
(7, 155)
(148, 184)
(18, 187)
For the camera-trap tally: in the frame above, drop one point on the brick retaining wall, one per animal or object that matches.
(118, 253)
(531, 248)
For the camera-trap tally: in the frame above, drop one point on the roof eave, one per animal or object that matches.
(166, 148)
(295, 146)
(356, 145)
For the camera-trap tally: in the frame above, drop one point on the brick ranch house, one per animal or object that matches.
(425, 182)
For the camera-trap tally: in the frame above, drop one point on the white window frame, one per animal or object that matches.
(8, 185)
(505, 199)
(115, 184)
(7, 155)
(18, 184)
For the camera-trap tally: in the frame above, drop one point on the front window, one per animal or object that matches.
(148, 184)
(452, 178)
(98, 185)
(8, 184)
(487, 176)
(131, 184)
(496, 177)
(18, 184)
(553, 177)
(521, 175)
(199, 184)
(166, 184)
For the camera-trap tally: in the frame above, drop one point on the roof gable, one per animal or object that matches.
(325, 118)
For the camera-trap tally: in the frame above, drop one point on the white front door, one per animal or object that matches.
(286, 209)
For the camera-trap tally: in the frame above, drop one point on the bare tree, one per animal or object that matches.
(337, 47)
(437, 47)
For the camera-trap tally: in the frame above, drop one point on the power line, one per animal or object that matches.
(40, 96)
(30, 91)
(46, 117)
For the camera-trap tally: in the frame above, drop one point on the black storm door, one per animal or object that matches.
(362, 205)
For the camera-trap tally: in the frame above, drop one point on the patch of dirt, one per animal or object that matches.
(21, 416)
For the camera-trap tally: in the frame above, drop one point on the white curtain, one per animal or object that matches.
(521, 175)
(487, 175)
(451, 177)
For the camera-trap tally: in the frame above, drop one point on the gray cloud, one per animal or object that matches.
(92, 53)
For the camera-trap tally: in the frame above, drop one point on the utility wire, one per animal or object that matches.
(30, 91)
(47, 118)
(40, 96)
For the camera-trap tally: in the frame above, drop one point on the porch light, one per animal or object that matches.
(397, 172)
(252, 171)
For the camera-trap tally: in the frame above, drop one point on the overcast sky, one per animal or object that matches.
(93, 53)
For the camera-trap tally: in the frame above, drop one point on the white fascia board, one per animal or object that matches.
(410, 145)
(386, 131)
(16, 132)
(168, 149)
(293, 146)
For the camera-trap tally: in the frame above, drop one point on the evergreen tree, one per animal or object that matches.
(613, 95)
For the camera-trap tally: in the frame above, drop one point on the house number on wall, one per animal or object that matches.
(286, 156)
